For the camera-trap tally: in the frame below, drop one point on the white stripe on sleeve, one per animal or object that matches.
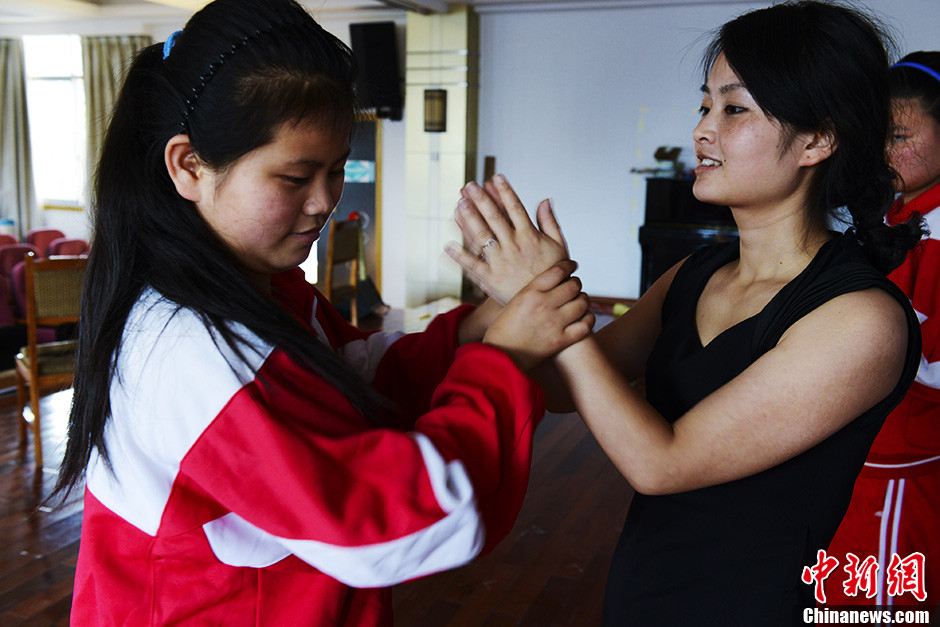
(929, 373)
(452, 541)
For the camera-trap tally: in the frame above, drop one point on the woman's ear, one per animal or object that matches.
(819, 147)
(184, 168)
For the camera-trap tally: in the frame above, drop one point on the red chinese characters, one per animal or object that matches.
(902, 575)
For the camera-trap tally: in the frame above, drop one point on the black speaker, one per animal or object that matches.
(379, 84)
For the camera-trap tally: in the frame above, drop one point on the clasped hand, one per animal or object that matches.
(525, 269)
(504, 250)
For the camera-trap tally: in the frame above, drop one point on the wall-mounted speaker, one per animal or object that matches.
(379, 83)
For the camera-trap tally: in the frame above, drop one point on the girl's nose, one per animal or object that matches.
(320, 201)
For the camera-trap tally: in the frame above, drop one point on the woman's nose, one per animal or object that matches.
(703, 131)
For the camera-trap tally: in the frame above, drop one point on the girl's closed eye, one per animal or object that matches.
(295, 180)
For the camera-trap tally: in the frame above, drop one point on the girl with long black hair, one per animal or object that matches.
(249, 457)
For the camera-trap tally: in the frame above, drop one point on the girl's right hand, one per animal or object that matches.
(543, 318)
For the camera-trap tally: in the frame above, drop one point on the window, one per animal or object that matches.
(55, 100)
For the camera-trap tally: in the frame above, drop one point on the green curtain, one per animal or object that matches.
(105, 61)
(17, 191)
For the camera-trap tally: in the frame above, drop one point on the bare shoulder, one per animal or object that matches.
(865, 309)
(868, 325)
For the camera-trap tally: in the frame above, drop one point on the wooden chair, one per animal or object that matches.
(343, 249)
(53, 291)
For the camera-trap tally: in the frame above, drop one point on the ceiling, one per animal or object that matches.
(20, 11)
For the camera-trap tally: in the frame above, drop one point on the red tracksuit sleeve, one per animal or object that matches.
(405, 368)
(370, 507)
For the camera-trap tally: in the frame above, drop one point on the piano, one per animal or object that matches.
(677, 224)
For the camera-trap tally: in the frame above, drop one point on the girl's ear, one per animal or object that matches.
(819, 147)
(184, 168)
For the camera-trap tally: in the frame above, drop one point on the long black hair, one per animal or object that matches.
(823, 67)
(236, 72)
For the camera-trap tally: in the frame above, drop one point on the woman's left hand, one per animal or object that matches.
(504, 250)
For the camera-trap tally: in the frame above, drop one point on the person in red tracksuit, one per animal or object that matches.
(249, 457)
(895, 506)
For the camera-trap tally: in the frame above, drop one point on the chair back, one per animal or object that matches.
(343, 247)
(53, 298)
(344, 241)
(42, 237)
(67, 246)
(53, 289)
(6, 238)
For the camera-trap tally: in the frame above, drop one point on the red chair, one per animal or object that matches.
(73, 247)
(6, 238)
(18, 290)
(7, 313)
(10, 255)
(42, 237)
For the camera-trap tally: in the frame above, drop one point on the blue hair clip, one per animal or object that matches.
(168, 44)
(918, 66)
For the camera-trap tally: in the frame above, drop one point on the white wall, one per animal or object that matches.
(572, 100)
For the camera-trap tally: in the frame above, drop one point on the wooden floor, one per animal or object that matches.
(550, 571)
(38, 544)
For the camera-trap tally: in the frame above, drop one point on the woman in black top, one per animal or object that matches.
(769, 363)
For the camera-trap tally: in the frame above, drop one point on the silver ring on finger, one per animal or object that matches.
(489, 243)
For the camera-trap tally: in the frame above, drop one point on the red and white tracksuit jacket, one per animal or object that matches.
(259, 496)
(895, 506)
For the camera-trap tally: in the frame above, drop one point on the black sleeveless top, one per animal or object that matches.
(733, 553)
